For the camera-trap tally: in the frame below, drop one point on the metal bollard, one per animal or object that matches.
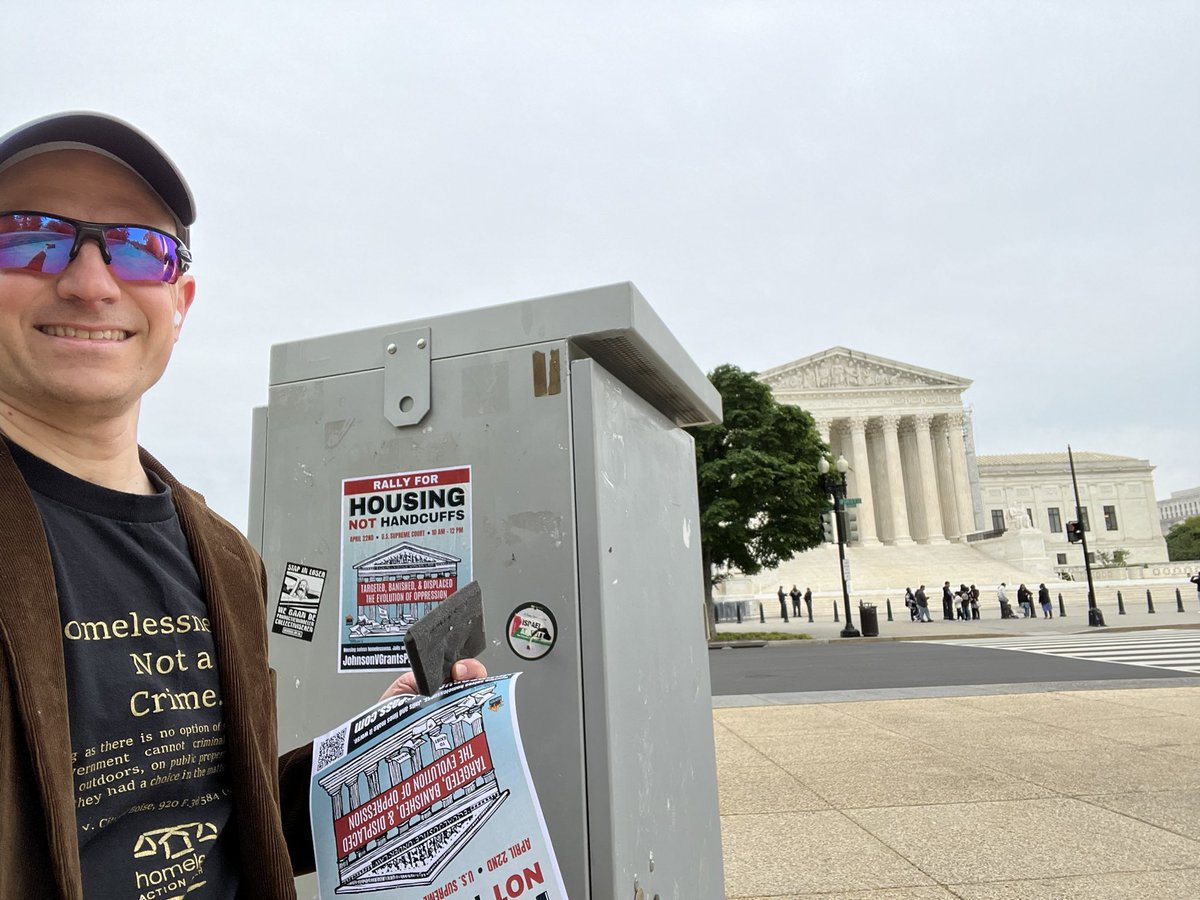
(809, 605)
(1149, 602)
(762, 619)
(784, 611)
(889, 609)
(835, 615)
(1062, 608)
(738, 607)
(1120, 604)
(1178, 600)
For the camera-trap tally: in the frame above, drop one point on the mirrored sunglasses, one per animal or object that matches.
(40, 242)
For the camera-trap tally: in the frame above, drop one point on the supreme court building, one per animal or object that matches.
(908, 439)
(905, 433)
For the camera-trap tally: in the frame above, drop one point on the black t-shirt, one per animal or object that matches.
(152, 797)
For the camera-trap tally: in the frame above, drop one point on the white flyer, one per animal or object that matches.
(425, 798)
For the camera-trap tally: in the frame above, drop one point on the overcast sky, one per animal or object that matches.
(1006, 191)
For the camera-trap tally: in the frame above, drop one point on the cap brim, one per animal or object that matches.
(114, 136)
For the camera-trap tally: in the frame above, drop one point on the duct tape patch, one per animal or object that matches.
(532, 631)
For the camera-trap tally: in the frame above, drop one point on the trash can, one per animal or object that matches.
(869, 619)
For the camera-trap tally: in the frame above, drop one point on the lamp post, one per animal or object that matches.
(835, 485)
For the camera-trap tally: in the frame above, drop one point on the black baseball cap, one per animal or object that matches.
(113, 137)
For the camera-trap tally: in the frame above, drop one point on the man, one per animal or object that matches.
(794, 593)
(1002, 595)
(137, 720)
(923, 605)
(808, 601)
(1195, 579)
(947, 601)
(782, 603)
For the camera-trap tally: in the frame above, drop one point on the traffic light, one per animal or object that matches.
(851, 521)
(829, 535)
(1074, 532)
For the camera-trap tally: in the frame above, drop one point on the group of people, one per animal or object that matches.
(963, 605)
(795, 596)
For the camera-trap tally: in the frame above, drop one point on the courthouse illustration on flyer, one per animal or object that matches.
(406, 546)
(424, 798)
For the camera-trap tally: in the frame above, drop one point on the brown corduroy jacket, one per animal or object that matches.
(39, 850)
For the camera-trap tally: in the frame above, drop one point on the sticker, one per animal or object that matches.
(406, 547)
(299, 597)
(532, 631)
(431, 797)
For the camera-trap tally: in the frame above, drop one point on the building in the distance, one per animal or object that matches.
(917, 481)
(1116, 499)
(1180, 506)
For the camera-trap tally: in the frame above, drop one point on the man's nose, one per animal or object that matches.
(88, 277)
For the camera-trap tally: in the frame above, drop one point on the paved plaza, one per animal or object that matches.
(1080, 795)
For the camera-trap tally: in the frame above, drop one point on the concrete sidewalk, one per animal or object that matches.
(989, 624)
(1083, 795)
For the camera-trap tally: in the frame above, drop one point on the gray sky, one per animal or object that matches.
(1008, 191)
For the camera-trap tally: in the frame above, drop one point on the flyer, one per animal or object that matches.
(299, 600)
(424, 798)
(406, 546)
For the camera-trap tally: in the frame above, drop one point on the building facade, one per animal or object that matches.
(1179, 507)
(907, 437)
(905, 433)
(1116, 498)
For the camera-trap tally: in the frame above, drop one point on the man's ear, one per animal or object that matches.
(185, 293)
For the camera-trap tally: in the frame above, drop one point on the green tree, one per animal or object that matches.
(1183, 540)
(757, 474)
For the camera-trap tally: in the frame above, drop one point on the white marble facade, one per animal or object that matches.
(901, 428)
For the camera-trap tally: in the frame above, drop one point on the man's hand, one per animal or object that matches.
(464, 670)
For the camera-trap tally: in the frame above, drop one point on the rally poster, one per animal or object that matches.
(406, 546)
(424, 798)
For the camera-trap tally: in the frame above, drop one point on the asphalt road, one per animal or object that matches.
(800, 666)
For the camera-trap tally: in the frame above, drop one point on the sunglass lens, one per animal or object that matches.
(35, 243)
(139, 254)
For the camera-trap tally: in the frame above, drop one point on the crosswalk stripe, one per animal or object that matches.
(1166, 649)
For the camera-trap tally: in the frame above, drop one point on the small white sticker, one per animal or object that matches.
(532, 631)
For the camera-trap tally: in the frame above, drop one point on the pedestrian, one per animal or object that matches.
(1195, 579)
(973, 593)
(102, 541)
(794, 593)
(1025, 598)
(808, 601)
(947, 601)
(1044, 600)
(964, 600)
(783, 599)
(922, 605)
(910, 601)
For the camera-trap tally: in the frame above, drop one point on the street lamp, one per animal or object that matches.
(835, 485)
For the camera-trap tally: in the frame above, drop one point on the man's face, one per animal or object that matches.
(83, 342)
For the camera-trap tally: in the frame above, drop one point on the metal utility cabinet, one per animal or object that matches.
(564, 416)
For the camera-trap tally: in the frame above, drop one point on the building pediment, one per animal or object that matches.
(840, 368)
(406, 556)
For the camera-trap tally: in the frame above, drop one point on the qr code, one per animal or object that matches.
(332, 748)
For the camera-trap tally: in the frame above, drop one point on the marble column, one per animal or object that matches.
(895, 477)
(958, 465)
(860, 473)
(929, 487)
(823, 425)
(941, 461)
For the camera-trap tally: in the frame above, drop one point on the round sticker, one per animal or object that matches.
(532, 631)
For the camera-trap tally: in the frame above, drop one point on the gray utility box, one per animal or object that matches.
(559, 422)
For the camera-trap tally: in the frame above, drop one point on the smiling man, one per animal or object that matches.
(137, 719)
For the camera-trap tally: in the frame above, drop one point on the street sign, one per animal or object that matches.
(846, 569)
(852, 501)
